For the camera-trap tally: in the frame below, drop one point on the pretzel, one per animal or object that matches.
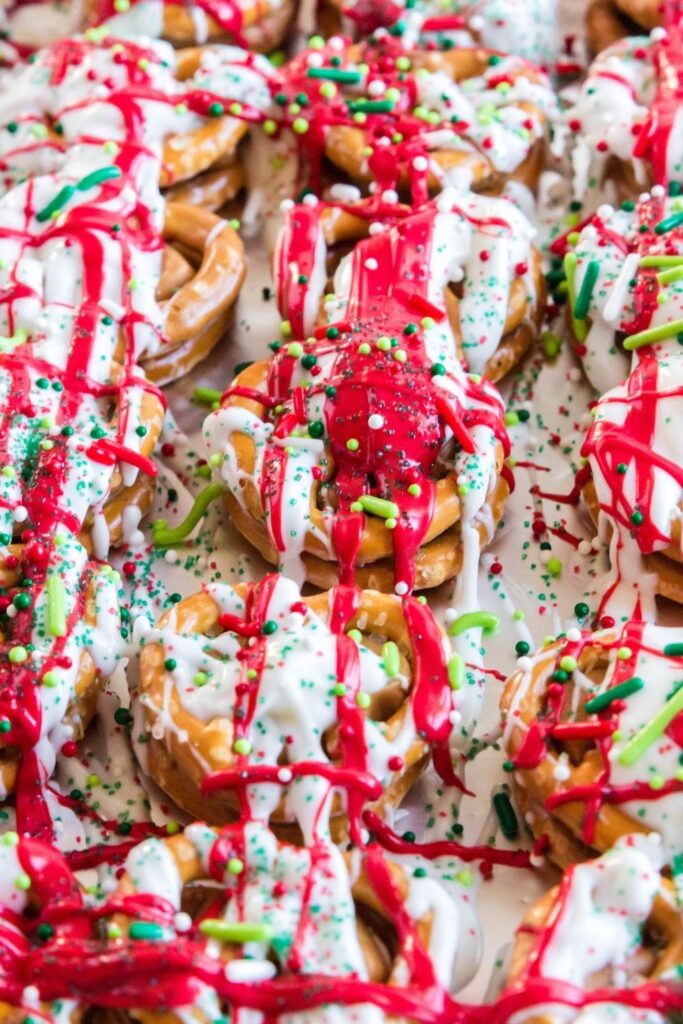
(261, 25)
(481, 269)
(304, 455)
(66, 606)
(423, 122)
(363, 924)
(176, 103)
(624, 119)
(592, 732)
(512, 26)
(209, 919)
(194, 709)
(612, 922)
(196, 311)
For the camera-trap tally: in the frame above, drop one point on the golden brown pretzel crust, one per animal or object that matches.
(264, 25)
(344, 145)
(178, 764)
(663, 939)
(533, 786)
(646, 13)
(438, 559)
(606, 24)
(201, 281)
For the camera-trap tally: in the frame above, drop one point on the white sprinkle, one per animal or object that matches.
(11, 612)
(544, 557)
(401, 588)
(310, 200)
(20, 513)
(314, 60)
(376, 87)
(390, 195)
(524, 663)
(375, 421)
(371, 263)
(658, 191)
(596, 543)
(31, 995)
(182, 922)
(286, 205)
(376, 227)
(250, 970)
(172, 557)
(605, 211)
(454, 717)
(561, 772)
(285, 775)
(420, 163)
(658, 34)
(585, 547)
(573, 635)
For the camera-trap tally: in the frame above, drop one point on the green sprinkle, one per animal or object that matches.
(581, 610)
(146, 930)
(242, 746)
(353, 444)
(56, 606)
(669, 223)
(603, 700)
(583, 299)
(653, 730)
(391, 658)
(371, 106)
(235, 931)
(652, 335)
(674, 650)
(164, 538)
(235, 866)
(379, 506)
(335, 75)
(22, 882)
(456, 672)
(505, 813)
(486, 621)
(269, 627)
(363, 700)
(50, 679)
(206, 396)
(97, 177)
(580, 329)
(17, 655)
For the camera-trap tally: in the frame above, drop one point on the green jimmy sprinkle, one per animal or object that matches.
(64, 195)
(164, 537)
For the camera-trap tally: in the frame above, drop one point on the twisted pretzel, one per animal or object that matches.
(194, 701)
(591, 730)
(606, 24)
(610, 922)
(428, 553)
